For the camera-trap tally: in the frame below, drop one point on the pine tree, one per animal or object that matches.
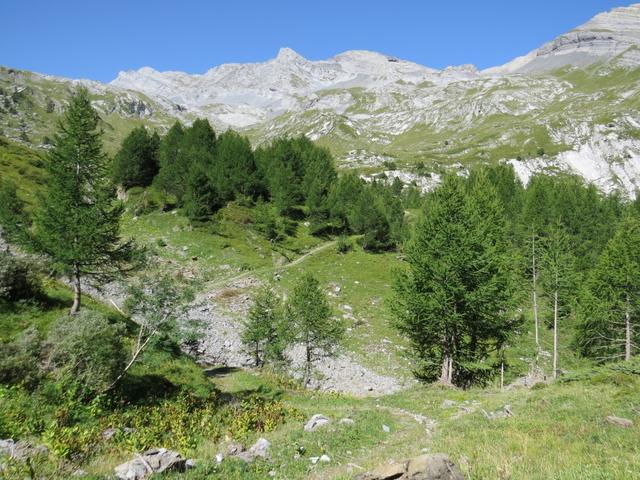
(136, 163)
(309, 315)
(453, 300)
(77, 222)
(558, 279)
(609, 308)
(264, 331)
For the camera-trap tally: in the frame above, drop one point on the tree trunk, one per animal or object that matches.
(535, 295)
(446, 376)
(501, 376)
(77, 291)
(555, 334)
(307, 367)
(627, 324)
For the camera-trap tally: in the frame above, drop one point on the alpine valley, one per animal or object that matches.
(573, 104)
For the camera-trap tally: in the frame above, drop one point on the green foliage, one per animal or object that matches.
(264, 334)
(202, 199)
(14, 222)
(343, 244)
(18, 279)
(609, 306)
(309, 317)
(453, 302)
(20, 359)
(85, 352)
(136, 163)
(77, 223)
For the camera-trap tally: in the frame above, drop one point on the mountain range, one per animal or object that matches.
(571, 105)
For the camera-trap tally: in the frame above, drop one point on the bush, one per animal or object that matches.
(20, 359)
(85, 351)
(17, 280)
(343, 245)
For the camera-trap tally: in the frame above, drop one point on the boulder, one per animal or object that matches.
(152, 461)
(260, 448)
(433, 467)
(425, 467)
(619, 421)
(21, 450)
(391, 471)
(316, 422)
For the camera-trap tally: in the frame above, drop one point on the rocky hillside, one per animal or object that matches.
(570, 105)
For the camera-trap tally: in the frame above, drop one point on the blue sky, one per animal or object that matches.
(96, 39)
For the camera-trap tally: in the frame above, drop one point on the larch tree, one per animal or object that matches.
(310, 322)
(453, 300)
(609, 308)
(77, 221)
(264, 332)
(558, 280)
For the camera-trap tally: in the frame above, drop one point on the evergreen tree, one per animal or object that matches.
(453, 301)
(14, 222)
(136, 163)
(169, 152)
(202, 199)
(609, 309)
(235, 170)
(77, 222)
(309, 315)
(264, 331)
(557, 268)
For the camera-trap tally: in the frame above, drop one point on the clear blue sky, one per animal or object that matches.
(96, 39)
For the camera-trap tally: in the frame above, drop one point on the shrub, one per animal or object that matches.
(17, 280)
(343, 245)
(20, 359)
(85, 351)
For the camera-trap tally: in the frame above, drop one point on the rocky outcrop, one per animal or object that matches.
(436, 466)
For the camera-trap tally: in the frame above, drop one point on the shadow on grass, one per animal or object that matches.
(221, 371)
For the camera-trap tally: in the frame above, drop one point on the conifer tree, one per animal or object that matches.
(202, 199)
(453, 300)
(309, 315)
(136, 163)
(77, 222)
(169, 152)
(234, 172)
(14, 221)
(264, 331)
(558, 280)
(609, 308)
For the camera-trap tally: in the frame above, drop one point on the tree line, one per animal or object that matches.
(486, 246)
(287, 180)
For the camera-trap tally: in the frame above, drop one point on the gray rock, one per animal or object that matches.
(448, 403)
(425, 467)
(437, 466)
(316, 422)
(109, 433)
(325, 458)
(234, 448)
(260, 448)
(150, 462)
(619, 421)
(346, 421)
(21, 450)
(386, 429)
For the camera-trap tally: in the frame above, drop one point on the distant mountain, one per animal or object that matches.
(572, 105)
